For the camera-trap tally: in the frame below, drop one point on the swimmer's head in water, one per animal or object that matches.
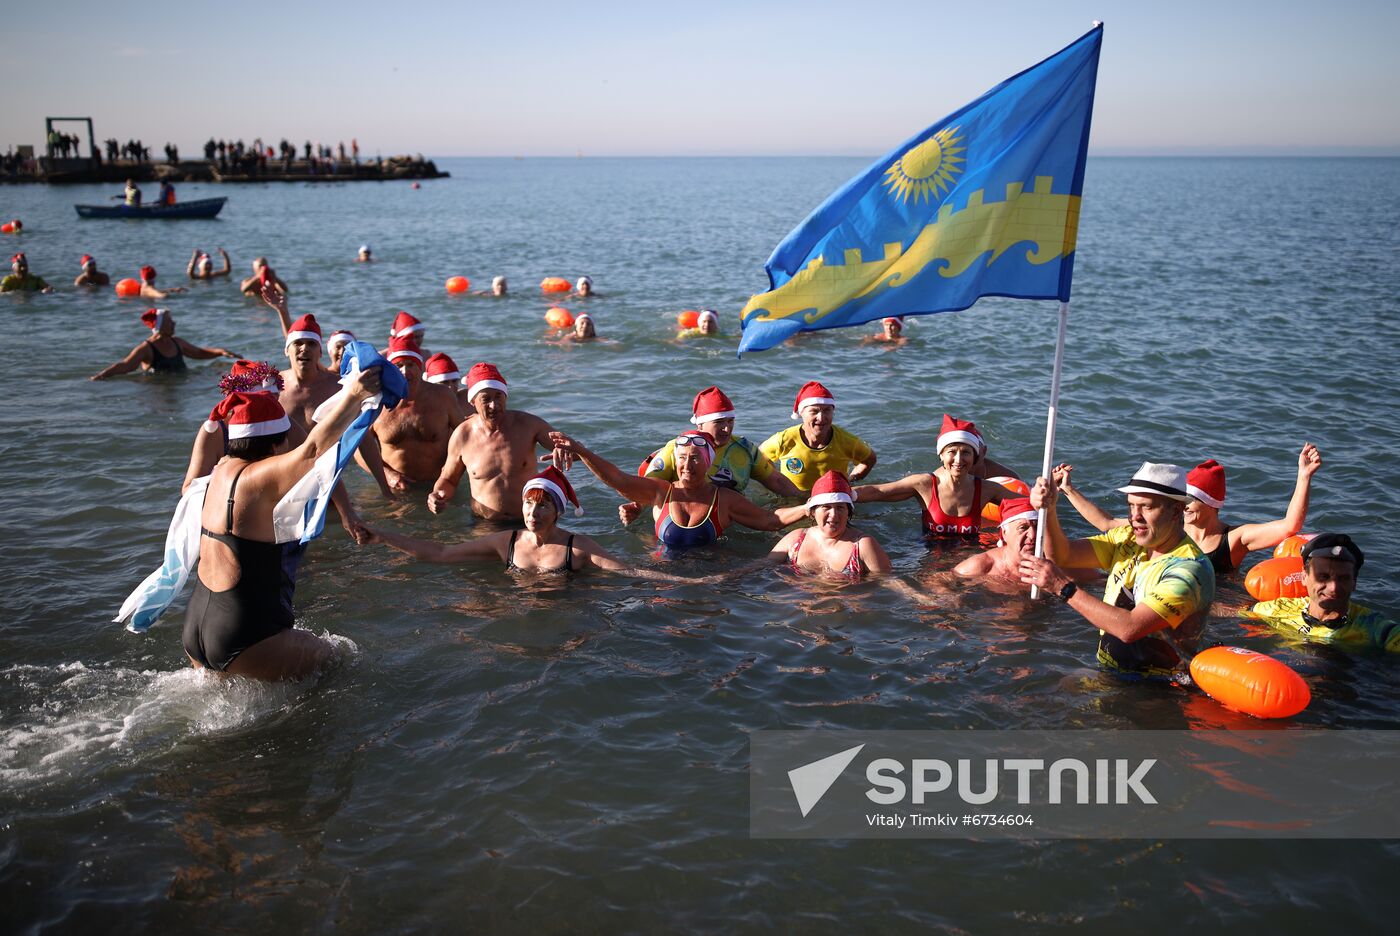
(893, 326)
(708, 322)
(441, 369)
(1330, 564)
(1156, 503)
(498, 286)
(695, 451)
(148, 274)
(554, 485)
(19, 263)
(960, 432)
(812, 394)
(832, 490)
(365, 252)
(87, 263)
(259, 263)
(584, 286)
(583, 326)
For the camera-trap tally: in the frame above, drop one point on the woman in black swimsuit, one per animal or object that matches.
(543, 546)
(162, 353)
(240, 617)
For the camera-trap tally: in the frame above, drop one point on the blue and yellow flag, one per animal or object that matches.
(983, 203)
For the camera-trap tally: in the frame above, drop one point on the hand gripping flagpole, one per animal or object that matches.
(1047, 463)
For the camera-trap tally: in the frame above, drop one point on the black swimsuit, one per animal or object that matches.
(564, 569)
(221, 625)
(1220, 556)
(166, 363)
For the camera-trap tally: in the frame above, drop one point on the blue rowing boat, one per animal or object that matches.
(200, 208)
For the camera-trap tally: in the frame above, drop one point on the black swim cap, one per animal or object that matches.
(1333, 546)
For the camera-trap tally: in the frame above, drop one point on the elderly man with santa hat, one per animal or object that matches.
(494, 447)
(817, 445)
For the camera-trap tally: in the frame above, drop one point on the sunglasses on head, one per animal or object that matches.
(697, 441)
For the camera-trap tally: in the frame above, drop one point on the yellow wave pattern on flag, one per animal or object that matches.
(1049, 221)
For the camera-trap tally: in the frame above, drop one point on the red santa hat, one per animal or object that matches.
(711, 404)
(154, 318)
(339, 337)
(250, 415)
(87, 258)
(1206, 483)
(960, 430)
(404, 348)
(148, 273)
(553, 483)
(19, 258)
(304, 329)
(1017, 508)
(404, 325)
(897, 320)
(812, 394)
(484, 376)
(831, 488)
(441, 369)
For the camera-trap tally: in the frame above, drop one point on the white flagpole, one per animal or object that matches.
(1048, 462)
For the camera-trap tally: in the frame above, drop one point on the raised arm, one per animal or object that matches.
(640, 489)
(1097, 517)
(228, 264)
(1078, 554)
(481, 549)
(1248, 537)
(287, 469)
(139, 355)
(194, 258)
(276, 300)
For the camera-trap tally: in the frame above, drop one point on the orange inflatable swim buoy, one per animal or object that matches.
(11, 227)
(1293, 546)
(688, 319)
(559, 317)
(458, 284)
(1250, 682)
(128, 287)
(555, 284)
(992, 512)
(1276, 578)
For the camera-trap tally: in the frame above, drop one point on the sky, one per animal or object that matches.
(695, 79)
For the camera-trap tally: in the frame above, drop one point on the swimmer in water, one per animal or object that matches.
(262, 276)
(689, 511)
(954, 495)
(891, 332)
(365, 255)
(201, 265)
(162, 352)
(1331, 562)
(148, 285)
(706, 326)
(542, 547)
(494, 449)
(583, 289)
(91, 275)
(21, 280)
(584, 329)
(240, 617)
(832, 546)
(1003, 561)
(1226, 545)
(498, 288)
(817, 445)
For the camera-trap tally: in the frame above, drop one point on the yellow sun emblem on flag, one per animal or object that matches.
(927, 169)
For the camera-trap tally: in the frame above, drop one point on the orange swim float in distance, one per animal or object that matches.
(128, 287)
(559, 317)
(11, 227)
(458, 284)
(1276, 578)
(688, 319)
(1250, 682)
(555, 284)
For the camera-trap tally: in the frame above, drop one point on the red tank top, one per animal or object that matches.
(939, 525)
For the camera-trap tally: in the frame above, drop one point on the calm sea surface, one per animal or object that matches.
(494, 754)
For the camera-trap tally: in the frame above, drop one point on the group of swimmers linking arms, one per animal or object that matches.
(449, 431)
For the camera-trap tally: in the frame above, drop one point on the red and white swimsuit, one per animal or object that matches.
(939, 525)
